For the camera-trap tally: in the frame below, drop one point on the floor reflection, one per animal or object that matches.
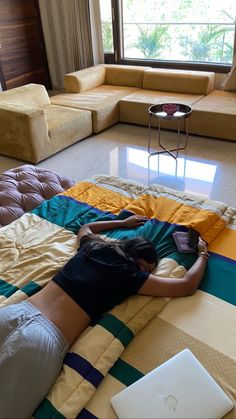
(184, 173)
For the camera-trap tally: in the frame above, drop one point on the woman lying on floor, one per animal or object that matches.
(36, 334)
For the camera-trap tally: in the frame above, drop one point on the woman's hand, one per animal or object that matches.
(99, 226)
(202, 246)
(134, 221)
(178, 287)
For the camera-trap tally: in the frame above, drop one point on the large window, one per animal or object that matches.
(107, 26)
(183, 31)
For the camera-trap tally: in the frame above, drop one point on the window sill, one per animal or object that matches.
(177, 65)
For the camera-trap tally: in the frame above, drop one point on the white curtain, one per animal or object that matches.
(73, 41)
(229, 83)
(96, 31)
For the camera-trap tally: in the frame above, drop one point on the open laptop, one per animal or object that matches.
(179, 388)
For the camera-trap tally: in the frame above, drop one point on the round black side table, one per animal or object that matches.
(182, 114)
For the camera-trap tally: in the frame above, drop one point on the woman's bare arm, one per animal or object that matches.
(98, 226)
(178, 287)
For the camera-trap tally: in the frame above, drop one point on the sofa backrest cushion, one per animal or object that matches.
(30, 95)
(82, 80)
(125, 75)
(179, 81)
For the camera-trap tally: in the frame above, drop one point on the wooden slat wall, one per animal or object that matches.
(22, 51)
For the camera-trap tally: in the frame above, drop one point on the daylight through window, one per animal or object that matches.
(186, 31)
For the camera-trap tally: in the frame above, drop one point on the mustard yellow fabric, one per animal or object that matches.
(23, 132)
(32, 129)
(101, 101)
(134, 108)
(31, 95)
(115, 75)
(66, 126)
(219, 102)
(164, 204)
(23, 124)
(82, 80)
(154, 86)
(179, 81)
(121, 75)
(215, 115)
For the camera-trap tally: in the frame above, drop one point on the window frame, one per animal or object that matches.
(117, 56)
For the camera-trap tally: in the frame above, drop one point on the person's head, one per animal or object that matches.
(138, 251)
(143, 252)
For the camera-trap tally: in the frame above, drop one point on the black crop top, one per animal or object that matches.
(99, 281)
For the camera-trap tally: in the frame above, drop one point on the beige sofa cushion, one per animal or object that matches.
(215, 115)
(102, 102)
(66, 126)
(82, 80)
(134, 108)
(120, 75)
(179, 81)
(31, 95)
(112, 75)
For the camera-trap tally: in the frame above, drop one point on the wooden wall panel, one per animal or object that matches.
(22, 50)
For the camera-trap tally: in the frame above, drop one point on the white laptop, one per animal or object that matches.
(179, 388)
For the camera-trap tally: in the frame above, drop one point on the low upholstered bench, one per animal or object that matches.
(24, 188)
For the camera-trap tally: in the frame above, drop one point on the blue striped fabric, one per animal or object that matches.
(85, 414)
(84, 368)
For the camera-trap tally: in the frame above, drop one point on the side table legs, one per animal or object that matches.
(164, 149)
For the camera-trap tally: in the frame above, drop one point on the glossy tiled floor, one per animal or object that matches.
(207, 167)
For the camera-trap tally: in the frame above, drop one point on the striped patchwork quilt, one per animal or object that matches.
(142, 332)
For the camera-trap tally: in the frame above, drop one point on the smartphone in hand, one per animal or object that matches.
(193, 237)
(186, 242)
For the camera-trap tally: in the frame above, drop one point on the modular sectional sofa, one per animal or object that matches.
(124, 93)
(33, 126)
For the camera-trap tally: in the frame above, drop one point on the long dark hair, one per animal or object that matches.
(130, 249)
